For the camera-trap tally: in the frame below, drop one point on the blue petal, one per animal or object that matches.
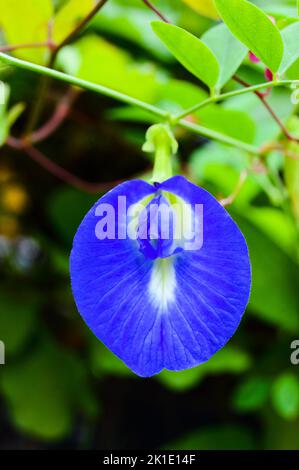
(154, 313)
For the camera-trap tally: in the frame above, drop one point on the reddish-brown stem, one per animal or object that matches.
(262, 98)
(156, 11)
(79, 27)
(31, 45)
(285, 131)
(59, 115)
(56, 170)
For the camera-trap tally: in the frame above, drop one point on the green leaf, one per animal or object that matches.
(252, 27)
(4, 126)
(227, 437)
(282, 8)
(211, 162)
(203, 7)
(131, 23)
(285, 396)
(130, 20)
(172, 95)
(183, 380)
(290, 36)
(85, 60)
(229, 52)
(228, 360)
(266, 129)
(17, 321)
(192, 53)
(252, 394)
(237, 124)
(104, 362)
(43, 390)
(181, 93)
(66, 209)
(267, 219)
(275, 280)
(26, 22)
(293, 72)
(14, 113)
(177, 95)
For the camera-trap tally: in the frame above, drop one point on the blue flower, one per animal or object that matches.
(159, 300)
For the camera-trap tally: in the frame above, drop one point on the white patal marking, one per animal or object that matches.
(163, 282)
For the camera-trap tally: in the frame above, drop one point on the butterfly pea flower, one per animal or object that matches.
(155, 299)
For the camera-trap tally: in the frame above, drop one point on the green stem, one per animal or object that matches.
(164, 115)
(162, 166)
(214, 135)
(83, 84)
(242, 91)
(161, 141)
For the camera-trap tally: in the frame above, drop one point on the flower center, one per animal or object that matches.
(164, 226)
(156, 229)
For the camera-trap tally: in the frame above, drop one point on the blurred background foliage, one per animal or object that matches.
(60, 387)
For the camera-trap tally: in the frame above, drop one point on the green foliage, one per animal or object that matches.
(293, 72)
(4, 128)
(285, 8)
(266, 129)
(252, 394)
(69, 16)
(14, 113)
(178, 95)
(267, 219)
(42, 391)
(228, 437)
(231, 122)
(203, 7)
(120, 73)
(285, 396)
(210, 163)
(252, 27)
(37, 14)
(290, 36)
(104, 362)
(62, 214)
(229, 360)
(273, 290)
(130, 23)
(190, 52)
(8, 116)
(16, 334)
(229, 52)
